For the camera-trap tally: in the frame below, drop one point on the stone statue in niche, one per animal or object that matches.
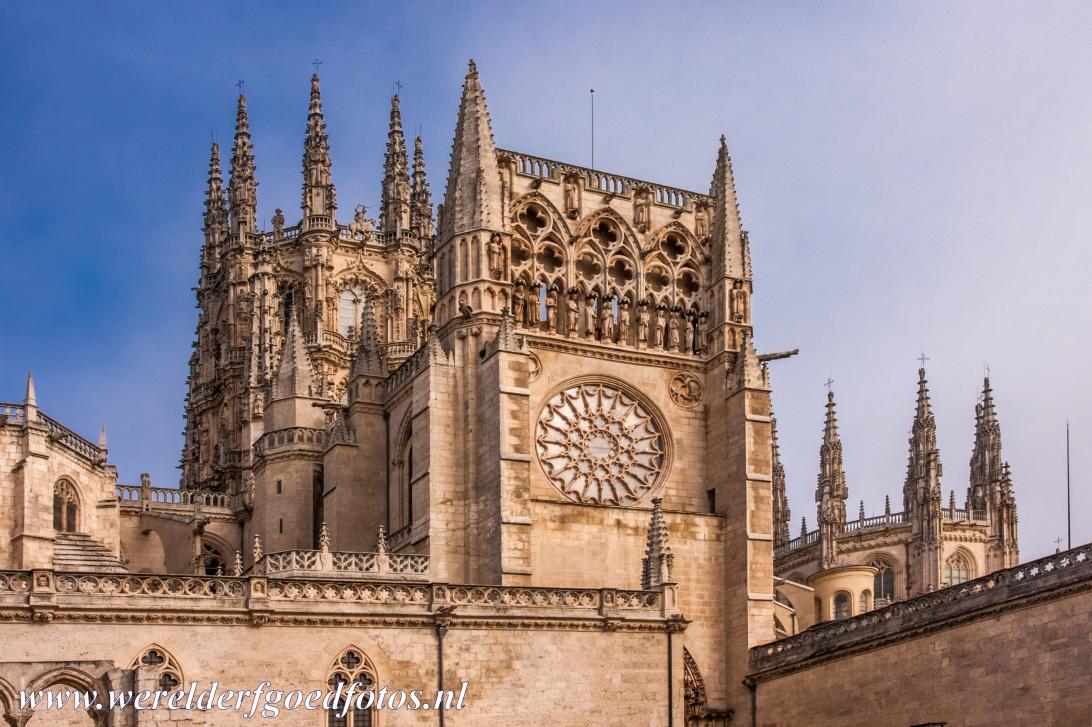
(572, 312)
(551, 308)
(656, 337)
(278, 224)
(671, 332)
(688, 331)
(625, 321)
(703, 333)
(505, 163)
(496, 256)
(643, 324)
(701, 222)
(642, 208)
(519, 303)
(606, 318)
(589, 315)
(572, 195)
(398, 312)
(739, 303)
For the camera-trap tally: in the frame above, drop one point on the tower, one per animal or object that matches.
(922, 495)
(830, 490)
(990, 494)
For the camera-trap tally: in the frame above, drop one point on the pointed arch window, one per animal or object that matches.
(352, 667)
(958, 568)
(66, 507)
(167, 672)
(212, 562)
(883, 585)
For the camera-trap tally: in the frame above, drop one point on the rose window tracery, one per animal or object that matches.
(600, 445)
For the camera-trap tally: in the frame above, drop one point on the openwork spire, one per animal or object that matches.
(369, 355)
(295, 375)
(472, 199)
(923, 469)
(395, 206)
(319, 201)
(830, 490)
(216, 221)
(781, 512)
(986, 463)
(658, 561)
(242, 187)
(420, 196)
(727, 232)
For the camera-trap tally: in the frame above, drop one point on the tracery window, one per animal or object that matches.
(957, 569)
(842, 605)
(352, 667)
(168, 673)
(212, 562)
(350, 304)
(883, 585)
(66, 507)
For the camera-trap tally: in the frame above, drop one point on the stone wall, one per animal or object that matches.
(1012, 648)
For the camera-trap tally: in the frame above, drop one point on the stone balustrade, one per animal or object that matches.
(917, 615)
(337, 564)
(12, 414)
(62, 434)
(169, 498)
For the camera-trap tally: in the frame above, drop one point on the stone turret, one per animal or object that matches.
(658, 561)
(319, 201)
(395, 206)
(242, 187)
(781, 512)
(830, 491)
(420, 196)
(215, 218)
(730, 286)
(990, 492)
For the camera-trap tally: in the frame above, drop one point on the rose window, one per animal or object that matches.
(599, 445)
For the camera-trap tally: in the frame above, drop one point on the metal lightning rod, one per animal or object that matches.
(593, 128)
(1068, 510)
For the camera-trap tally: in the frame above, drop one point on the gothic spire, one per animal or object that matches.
(830, 490)
(658, 561)
(295, 376)
(369, 356)
(420, 196)
(727, 233)
(472, 198)
(923, 469)
(318, 187)
(215, 208)
(781, 512)
(242, 187)
(394, 210)
(30, 398)
(986, 463)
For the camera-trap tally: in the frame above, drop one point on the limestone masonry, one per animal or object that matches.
(524, 440)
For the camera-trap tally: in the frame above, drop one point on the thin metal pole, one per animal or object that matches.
(1068, 510)
(593, 128)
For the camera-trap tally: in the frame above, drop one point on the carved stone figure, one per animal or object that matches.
(589, 315)
(519, 303)
(701, 222)
(551, 308)
(686, 390)
(278, 224)
(572, 195)
(644, 323)
(671, 331)
(688, 332)
(361, 226)
(496, 256)
(642, 209)
(702, 342)
(606, 318)
(625, 321)
(656, 336)
(739, 303)
(572, 312)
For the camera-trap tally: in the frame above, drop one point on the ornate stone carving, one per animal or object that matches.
(534, 367)
(600, 445)
(686, 390)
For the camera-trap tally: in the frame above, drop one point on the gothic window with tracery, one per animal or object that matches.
(66, 507)
(958, 569)
(537, 252)
(600, 445)
(212, 562)
(350, 305)
(352, 667)
(883, 584)
(168, 673)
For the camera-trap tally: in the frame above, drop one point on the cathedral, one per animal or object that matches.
(522, 440)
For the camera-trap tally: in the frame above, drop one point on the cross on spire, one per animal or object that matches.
(240, 85)
(829, 383)
(397, 88)
(315, 64)
(923, 358)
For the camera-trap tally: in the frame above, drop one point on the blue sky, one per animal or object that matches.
(914, 176)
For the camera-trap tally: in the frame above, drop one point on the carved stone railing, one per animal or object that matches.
(595, 180)
(957, 514)
(400, 537)
(917, 615)
(143, 585)
(876, 522)
(307, 438)
(796, 543)
(62, 434)
(12, 413)
(235, 355)
(169, 498)
(338, 564)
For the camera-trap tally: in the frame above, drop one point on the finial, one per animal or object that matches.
(887, 504)
(803, 526)
(922, 359)
(315, 64)
(324, 537)
(31, 396)
(102, 437)
(257, 551)
(381, 541)
(237, 566)
(472, 68)
(860, 513)
(951, 503)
